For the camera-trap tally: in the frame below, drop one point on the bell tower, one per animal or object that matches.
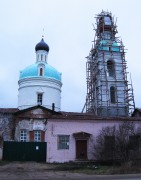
(108, 91)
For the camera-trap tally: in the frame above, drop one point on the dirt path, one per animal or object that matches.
(33, 170)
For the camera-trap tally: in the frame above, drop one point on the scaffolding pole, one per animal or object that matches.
(97, 78)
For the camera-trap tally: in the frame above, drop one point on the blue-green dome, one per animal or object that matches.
(33, 71)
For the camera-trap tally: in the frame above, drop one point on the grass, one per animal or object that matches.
(98, 170)
(108, 170)
(87, 169)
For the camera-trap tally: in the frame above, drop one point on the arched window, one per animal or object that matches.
(113, 94)
(110, 68)
(41, 72)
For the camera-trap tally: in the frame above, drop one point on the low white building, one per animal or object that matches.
(71, 137)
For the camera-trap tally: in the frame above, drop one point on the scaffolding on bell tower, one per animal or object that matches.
(108, 91)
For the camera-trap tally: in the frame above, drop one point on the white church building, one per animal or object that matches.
(40, 83)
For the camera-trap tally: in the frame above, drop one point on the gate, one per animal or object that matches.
(24, 151)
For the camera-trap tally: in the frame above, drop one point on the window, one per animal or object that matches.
(113, 94)
(41, 68)
(134, 142)
(37, 136)
(109, 146)
(107, 20)
(63, 142)
(23, 136)
(110, 68)
(39, 98)
(41, 57)
(38, 57)
(106, 35)
(109, 142)
(41, 72)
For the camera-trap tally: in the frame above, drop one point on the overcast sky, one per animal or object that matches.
(69, 33)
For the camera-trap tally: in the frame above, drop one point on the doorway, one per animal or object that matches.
(81, 149)
(81, 139)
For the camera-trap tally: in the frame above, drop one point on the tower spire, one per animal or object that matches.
(43, 34)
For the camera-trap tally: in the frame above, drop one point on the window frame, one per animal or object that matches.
(63, 142)
(37, 136)
(23, 135)
(40, 98)
(41, 66)
(41, 71)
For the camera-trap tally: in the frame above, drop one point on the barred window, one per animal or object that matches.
(63, 142)
(23, 136)
(39, 98)
(37, 136)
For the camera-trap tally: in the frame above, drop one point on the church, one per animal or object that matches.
(39, 130)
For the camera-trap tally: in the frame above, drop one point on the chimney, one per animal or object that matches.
(53, 106)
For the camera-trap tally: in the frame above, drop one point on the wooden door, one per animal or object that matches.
(81, 149)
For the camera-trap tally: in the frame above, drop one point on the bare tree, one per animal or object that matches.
(104, 149)
(120, 143)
